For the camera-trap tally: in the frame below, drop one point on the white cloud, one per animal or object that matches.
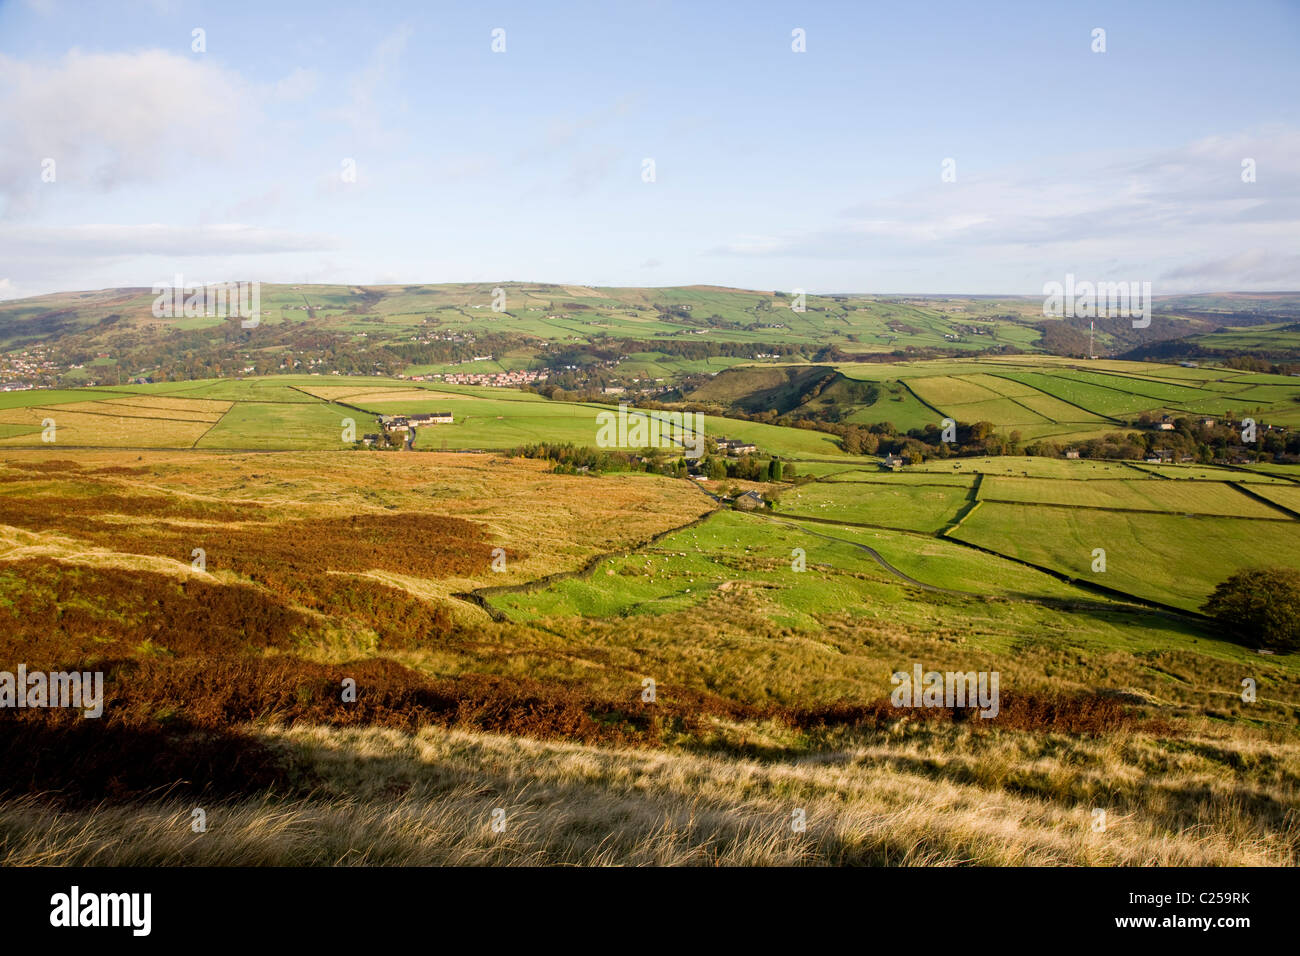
(108, 119)
(297, 85)
(1158, 213)
(1277, 270)
(372, 86)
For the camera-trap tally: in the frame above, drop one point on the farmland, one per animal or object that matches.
(299, 413)
(419, 449)
(910, 506)
(498, 608)
(1055, 522)
(1044, 397)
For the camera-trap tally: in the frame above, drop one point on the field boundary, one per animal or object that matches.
(480, 596)
(1124, 596)
(1240, 486)
(879, 558)
(1038, 370)
(973, 501)
(1291, 515)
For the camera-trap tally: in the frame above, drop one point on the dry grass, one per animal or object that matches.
(224, 689)
(912, 796)
(122, 427)
(546, 522)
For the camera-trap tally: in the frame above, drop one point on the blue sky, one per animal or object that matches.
(773, 169)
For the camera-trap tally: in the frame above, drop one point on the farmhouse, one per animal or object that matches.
(434, 418)
(735, 447)
(892, 462)
(749, 501)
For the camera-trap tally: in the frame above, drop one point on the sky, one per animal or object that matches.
(980, 148)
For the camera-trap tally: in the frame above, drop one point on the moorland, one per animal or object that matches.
(603, 648)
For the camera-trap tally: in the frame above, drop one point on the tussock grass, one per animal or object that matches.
(921, 796)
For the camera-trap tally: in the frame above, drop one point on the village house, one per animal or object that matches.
(735, 447)
(434, 418)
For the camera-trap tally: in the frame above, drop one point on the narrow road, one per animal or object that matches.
(879, 558)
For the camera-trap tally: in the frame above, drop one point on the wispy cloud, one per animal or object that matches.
(1159, 211)
(375, 85)
(111, 119)
(109, 239)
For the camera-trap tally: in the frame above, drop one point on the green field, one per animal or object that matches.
(906, 506)
(1201, 497)
(1037, 396)
(1167, 558)
(282, 413)
(292, 425)
(913, 476)
(1029, 467)
(750, 554)
(1064, 399)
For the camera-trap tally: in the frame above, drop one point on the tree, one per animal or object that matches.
(1260, 606)
(774, 470)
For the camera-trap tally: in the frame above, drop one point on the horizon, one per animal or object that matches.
(149, 289)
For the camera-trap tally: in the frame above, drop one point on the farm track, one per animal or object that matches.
(878, 558)
(1121, 603)
(973, 502)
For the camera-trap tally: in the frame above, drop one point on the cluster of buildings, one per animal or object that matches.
(405, 425)
(497, 379)
(27, 369)
(734, 448)
(402, 423)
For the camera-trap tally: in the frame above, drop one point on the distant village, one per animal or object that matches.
(495, 379)
(29, 368)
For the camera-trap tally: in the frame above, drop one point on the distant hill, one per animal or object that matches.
(588, 338)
